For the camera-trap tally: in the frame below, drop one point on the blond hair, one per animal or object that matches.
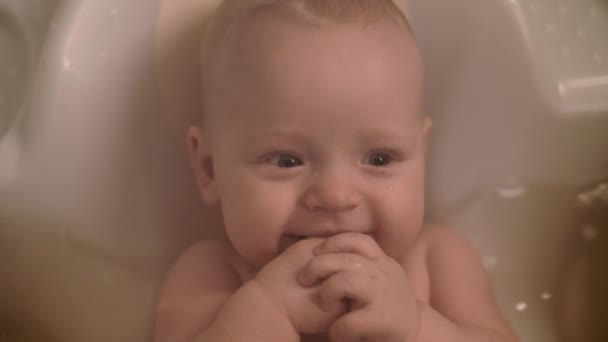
(229, 12)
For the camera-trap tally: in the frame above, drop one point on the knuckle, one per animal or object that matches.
(367, 239)
(350, 283)
(353, 285)
(352, 260)
(316, 263)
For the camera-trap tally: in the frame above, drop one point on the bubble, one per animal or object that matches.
(581, 32)
(521, 306)
(593, 12)
(562, 89)
(589, 232)
(489, 262)
(545, 296)
(67, 63)
(534, 7)
(511, 188)
(585, 199)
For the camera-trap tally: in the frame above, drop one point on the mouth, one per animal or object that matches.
(288, 240)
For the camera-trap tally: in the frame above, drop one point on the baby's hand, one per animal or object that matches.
(352, 268)
(278, 279)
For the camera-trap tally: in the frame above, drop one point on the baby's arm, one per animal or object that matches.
(203, 300)
(462, 306)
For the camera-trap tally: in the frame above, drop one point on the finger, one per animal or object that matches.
(354, 287)
(323, 266)
(353, 327)
(356, 243)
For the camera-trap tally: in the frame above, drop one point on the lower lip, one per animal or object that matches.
(289, 240)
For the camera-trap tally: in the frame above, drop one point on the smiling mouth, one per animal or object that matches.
(288, 240)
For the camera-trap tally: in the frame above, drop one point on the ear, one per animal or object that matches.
(426, 131)
(202, 165)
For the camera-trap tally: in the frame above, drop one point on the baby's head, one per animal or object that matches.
(312, 124)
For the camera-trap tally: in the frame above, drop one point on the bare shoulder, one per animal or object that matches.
(197, 285)
(450, 258)
(436, 236)
(207, 262)
(460, 288)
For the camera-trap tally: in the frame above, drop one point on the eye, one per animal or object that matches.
(286, 161)
(379, 159)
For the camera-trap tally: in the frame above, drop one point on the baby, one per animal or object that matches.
(312, 146)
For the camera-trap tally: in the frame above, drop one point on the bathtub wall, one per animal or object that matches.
(496, 90)
(95, 193)
(96, 197)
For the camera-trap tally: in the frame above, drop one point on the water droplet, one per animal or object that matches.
(565, 51)
(489, 262)
(114, 13)
(550, 28)
(534, 7)
(562, 89)
(581, 32)
(545, 296)
(589, 233)
(585, 199)
(593, 12)
(511, 188)
(521, 306)
(67, 64)
(563, 10)
(597, 57)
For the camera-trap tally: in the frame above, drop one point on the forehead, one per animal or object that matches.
(274, 60)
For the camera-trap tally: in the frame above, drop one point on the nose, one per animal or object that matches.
(331, 195)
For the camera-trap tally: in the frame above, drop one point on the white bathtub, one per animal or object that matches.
(96, 197)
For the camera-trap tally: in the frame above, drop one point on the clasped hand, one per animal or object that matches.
(346, 286)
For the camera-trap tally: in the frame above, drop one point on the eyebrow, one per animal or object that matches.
(375, 134)
(366, 136)
(283, 134)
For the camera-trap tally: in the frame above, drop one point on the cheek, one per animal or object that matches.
(261, 206)
(254, 216)
(399, 208)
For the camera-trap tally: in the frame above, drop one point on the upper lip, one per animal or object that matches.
(328, 233)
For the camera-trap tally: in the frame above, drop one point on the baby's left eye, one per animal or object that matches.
(379, 159)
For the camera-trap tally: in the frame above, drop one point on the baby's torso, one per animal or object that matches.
(413, 264)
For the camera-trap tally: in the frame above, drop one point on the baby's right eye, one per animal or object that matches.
(285, 160)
